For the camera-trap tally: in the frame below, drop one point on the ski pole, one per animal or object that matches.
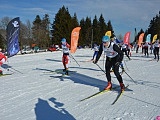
(124, 71)
(75, 60)
(126, 65)
(16, 70)
(100, 68)
(130, 76)
(103, 61)
(12, 68)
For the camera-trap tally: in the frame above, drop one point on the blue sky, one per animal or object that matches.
(125, 15)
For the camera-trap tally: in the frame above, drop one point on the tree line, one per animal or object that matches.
(153, 29)
(43, 32)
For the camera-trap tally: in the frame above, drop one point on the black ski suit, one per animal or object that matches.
(114, 57)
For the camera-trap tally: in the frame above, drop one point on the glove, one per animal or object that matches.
(117, 63)
(94, 61)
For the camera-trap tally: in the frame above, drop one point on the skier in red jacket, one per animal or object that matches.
(3, 58)
(65, 58)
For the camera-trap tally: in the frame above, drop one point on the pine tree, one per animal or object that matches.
(96, 30)
(103, 26)
(88, 31)
(36, 29)
(154, 27)
(82, 33)
(1, 42)
(110, 28)
(62, 26)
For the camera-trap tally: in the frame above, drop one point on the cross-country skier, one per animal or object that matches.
(145, 46)
(96, 49)
(3, 58)
(156, 50)
(65, 58)
(124, 49)
(114, 57)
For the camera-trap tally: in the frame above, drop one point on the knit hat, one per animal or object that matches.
(105, 39)
(63, 40)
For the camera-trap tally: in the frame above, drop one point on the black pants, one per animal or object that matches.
(146, 51)
(111, 63)
(125, 51)
(156, 52)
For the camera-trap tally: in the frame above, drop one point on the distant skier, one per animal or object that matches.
(114, 57)
(124, 49)
(145, 47)
(129, 48)
(96, 49)
(151, 48)
(156, 46)
(65, 57)
(3, 58)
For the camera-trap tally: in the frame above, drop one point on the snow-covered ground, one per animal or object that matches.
(32, 92)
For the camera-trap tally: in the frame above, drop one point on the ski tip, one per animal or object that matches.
(5, 75)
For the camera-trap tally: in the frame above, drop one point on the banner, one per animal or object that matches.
(148, 38)
(127, 38)
(74, 39)
(154, 38)
(108, 33)
(13, 28)
(140, 40)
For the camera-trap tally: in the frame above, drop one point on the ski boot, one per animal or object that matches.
(109, 86)
(66, 72)
(122, 86)
(1, 73)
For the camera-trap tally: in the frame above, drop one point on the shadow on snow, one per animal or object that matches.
(52, 111)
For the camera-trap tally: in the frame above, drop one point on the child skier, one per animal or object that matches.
(65, 58)
(114, 57)
(3, 58)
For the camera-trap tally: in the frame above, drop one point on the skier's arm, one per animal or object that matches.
(119, 51)
(68, 46)
(99, 53)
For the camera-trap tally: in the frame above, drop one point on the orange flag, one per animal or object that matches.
(127, 38)
(140, 40)
(74, 39)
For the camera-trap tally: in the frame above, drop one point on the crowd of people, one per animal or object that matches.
(114, 53)
(152, 47)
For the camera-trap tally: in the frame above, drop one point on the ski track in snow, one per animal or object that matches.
(34, 94)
